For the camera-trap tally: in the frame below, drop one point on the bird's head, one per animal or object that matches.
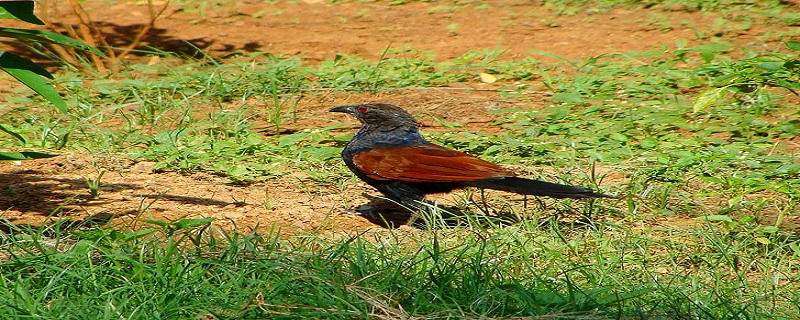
(379, 114)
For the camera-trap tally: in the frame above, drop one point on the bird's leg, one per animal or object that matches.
(403, 194)
(403, 204)
(483, 201)
(525, 201)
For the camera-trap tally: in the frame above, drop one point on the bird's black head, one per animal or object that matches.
(378, 114)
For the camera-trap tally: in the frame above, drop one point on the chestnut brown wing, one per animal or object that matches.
(425, 163)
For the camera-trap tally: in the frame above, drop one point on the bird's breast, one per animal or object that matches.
(367, 140)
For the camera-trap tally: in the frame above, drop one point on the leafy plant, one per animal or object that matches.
(750, 76)
(27, 72)
(94, 184)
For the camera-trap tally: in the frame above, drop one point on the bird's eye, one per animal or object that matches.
(362, 109)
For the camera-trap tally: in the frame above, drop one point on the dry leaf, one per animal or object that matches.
(488, 78)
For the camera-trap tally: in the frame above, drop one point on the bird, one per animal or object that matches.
(390, 154)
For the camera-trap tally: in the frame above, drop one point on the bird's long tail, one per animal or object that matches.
(536, 188)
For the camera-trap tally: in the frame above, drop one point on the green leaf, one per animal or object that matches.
(788, 168)
(716, 217)
(711, 48)
(648, 143)
(794, 45)
(572, 98)
(788, 84)
(48, 37)
(138, 234)
(20, 62)
(191, 223)
(25, 155)
(762, 240)
(708, 98)
(12, 132)
(31, 75)
(713, 179)
(618, 137)
(769, 229)
(681, 43)
(770, 66)
(21, 10)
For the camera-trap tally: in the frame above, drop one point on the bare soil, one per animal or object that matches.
(35, 192)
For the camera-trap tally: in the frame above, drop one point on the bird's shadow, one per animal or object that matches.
(389, 214)
(383, 212)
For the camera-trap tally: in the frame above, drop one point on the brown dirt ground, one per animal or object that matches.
(48, 189)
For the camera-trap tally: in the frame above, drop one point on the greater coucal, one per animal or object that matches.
(391, 155)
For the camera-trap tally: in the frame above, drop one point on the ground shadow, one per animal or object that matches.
(155, 41)
(52, 199)
(388, 214)
(33, 191)
(158, 40)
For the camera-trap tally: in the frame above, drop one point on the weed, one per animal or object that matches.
(94, 184)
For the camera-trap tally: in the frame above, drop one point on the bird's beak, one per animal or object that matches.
(345, 109)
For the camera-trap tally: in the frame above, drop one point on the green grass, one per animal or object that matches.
(688, 239)
(187, 270)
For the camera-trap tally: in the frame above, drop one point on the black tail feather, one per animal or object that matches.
(536, 188)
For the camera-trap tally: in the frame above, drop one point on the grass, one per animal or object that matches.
(187, 269)
(697, 233)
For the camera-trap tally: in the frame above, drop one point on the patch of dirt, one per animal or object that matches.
(50, 189)
(321, 30)
(54, 189)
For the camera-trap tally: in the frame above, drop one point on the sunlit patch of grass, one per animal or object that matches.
(187, 268)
